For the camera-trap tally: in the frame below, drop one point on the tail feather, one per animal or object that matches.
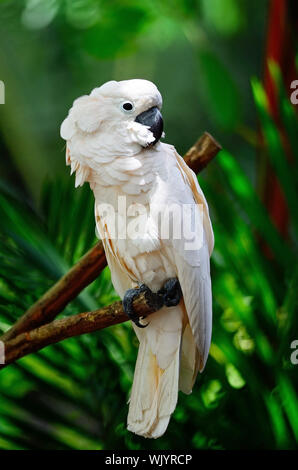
(168, 361)
(190, 361)
(154, 393)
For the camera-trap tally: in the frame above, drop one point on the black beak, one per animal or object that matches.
(153, 119)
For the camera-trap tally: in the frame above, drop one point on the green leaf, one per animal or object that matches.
(116, 31)
(276, 152)
(219, 91)
(224, 16)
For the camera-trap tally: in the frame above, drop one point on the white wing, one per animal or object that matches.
(196, 288)
(193, 267)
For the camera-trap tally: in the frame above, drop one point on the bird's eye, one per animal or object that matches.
(127, 106)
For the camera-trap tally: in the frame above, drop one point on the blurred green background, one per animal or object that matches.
(207, 57)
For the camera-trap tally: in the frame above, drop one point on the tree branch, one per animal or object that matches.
(202, 152)
(74, 325)
(57, 297)
(27, 335)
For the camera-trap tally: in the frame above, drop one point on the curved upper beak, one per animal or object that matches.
(153, 119)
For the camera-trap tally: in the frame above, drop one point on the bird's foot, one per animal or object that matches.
(169, 295)
(154, 300)
(171, 292)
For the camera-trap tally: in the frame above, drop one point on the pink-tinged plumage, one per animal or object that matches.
(108, 149)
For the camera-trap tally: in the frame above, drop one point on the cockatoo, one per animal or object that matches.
(113, 143)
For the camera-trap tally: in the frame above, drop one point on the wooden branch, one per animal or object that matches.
(27, 335)
(74, 325)
(66, 289)
(202, 152)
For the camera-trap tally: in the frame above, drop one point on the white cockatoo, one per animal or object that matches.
(113, 143)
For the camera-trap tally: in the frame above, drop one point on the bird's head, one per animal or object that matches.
(119, 117)
(116, 119)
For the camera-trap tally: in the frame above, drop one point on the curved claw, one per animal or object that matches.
(136, 322)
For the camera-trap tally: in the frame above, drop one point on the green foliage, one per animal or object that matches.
(73, 395)
(222, 97)
(215, 10)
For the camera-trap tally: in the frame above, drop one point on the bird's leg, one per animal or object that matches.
(154, 300)
(169, 295)
(171, 292)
